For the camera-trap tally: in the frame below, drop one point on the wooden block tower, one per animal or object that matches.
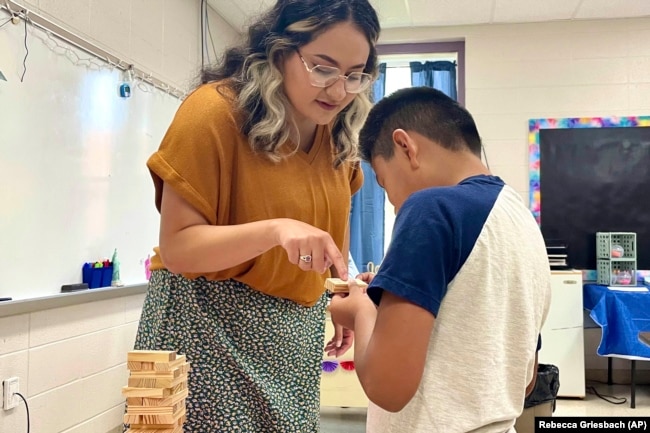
(156, 391)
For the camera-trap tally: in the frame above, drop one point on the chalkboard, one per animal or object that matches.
(73, 180)
(591, 180)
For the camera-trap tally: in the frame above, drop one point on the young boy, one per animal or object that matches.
(446, 336)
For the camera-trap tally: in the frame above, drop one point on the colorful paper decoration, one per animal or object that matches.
(329, 366)
(534, 125)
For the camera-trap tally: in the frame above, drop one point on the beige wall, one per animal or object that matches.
(71, 365)
(71, 361)
(159, 36)
(562, 69)
(517, 72)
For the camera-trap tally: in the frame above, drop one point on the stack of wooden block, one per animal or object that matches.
(337, 285)
(156, 391)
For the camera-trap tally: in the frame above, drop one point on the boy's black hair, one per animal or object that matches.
(424, 110)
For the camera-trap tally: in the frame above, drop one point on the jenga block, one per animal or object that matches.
(178, 423)
(337, 285)
(156, 430)
(140, 366)
(171, 373)
(178, 388)
(134, 365)
(180, 361)
(166, 401)
(167, 420)
(157, 410)
(185, 368)
(128, 391)
(151, 355)
(135, 401)
(155, 382)
(149, 410)
(166, 366)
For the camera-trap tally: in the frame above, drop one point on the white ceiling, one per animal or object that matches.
(407, 13)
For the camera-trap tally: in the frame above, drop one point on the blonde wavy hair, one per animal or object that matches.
(251, 70)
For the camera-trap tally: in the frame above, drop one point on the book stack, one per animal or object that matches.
(156, 391)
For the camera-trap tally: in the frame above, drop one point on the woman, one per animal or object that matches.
(253, 183)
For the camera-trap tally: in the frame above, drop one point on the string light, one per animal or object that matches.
(143, 81)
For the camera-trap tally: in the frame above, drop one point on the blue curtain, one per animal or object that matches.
(440, 75)
(379, 86)
(367, 215)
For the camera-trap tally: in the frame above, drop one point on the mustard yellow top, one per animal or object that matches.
(208, 161)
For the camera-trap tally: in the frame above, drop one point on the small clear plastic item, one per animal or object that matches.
(617, 251)
(624, 278)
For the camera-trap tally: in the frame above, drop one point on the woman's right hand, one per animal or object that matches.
(311, 248)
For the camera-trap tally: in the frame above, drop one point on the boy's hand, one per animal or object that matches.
(344, 309)
(366, 277)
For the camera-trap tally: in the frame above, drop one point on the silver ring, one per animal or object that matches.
(306, 258)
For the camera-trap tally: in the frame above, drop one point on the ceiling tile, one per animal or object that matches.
(230, 12)
(613, 9)
(392, 13)
(256, 7)
(512, 11)
(450, 12)
(410, 13)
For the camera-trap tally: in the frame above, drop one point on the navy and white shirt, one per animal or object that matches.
(434, 233)
(473, 256)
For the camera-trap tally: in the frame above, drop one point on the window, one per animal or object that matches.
(398, 76)
(398, 71)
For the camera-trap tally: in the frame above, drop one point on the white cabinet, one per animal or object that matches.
(563, 334)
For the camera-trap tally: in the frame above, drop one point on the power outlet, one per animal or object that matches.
(10, 387)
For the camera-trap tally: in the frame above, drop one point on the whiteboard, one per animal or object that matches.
(73, 181)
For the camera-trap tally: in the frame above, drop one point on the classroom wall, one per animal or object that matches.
(561, 69)
(71, 360)
(71, 365)
(516, 72)
(158, 36)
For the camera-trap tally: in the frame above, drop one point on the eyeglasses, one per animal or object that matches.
(325, 76)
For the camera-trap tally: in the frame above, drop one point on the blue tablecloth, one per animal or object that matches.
(621, 315)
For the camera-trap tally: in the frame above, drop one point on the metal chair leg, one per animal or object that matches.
(609, 370)
(632, 386)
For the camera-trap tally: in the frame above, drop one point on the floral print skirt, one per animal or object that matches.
(255, 359)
